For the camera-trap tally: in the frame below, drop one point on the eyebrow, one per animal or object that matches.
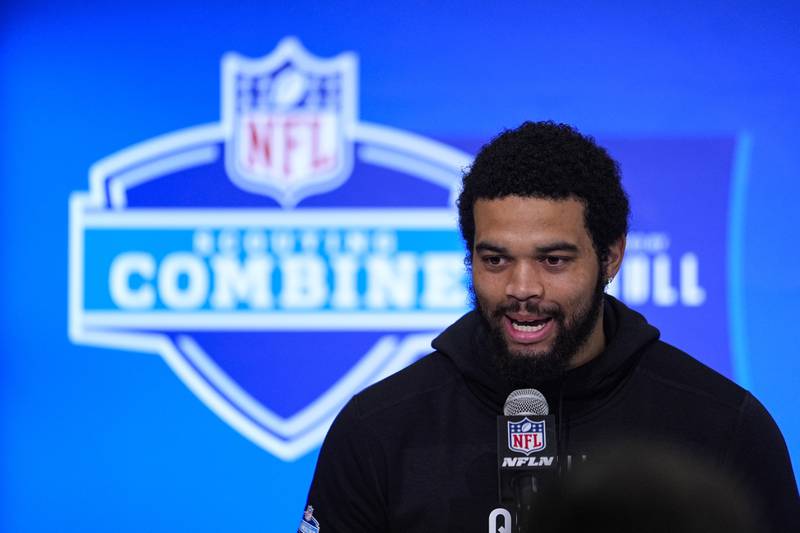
(488, 247)
(559, 246)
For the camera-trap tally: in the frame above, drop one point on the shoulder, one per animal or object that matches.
(670, 368)
(415, 384)
(390, 411)
(687, 388)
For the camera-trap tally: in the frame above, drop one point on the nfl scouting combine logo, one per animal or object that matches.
(279, 261)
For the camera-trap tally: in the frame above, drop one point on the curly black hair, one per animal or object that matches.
(548, 160)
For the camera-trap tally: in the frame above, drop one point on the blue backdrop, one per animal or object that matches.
(697, 101)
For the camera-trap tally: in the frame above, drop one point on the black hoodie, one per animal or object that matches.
(417, 451)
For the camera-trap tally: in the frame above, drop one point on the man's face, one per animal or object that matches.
(537, 283)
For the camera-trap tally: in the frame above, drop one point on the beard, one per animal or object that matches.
(529, 369)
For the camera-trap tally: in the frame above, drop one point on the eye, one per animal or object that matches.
(493, 260)
(555, 260)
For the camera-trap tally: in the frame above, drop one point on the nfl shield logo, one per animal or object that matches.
(289, 119)
(526, 436)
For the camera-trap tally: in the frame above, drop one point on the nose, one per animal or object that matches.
(524, 282)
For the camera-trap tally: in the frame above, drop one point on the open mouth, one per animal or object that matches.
(531, 326)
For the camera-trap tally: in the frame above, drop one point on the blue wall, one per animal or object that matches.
(95, 439)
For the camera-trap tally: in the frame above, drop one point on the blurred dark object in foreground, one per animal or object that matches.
(646, 489)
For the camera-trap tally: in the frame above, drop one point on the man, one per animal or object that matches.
(544, 218)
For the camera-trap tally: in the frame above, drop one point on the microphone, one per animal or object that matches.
(526, 452)
(526, 402)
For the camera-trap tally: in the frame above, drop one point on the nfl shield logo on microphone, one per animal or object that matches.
(526, 436)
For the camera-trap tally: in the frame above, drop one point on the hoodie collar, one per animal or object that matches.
(468, 346)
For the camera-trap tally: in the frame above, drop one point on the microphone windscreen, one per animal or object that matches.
(526, 402)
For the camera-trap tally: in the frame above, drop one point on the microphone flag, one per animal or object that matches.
(526, 448)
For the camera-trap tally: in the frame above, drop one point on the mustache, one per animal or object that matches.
(552, 310)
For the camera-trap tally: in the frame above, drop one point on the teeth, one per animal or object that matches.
(527, 329)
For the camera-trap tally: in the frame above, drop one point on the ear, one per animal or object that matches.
(614, 260)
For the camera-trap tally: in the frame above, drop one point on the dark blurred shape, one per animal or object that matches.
(637, 488)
